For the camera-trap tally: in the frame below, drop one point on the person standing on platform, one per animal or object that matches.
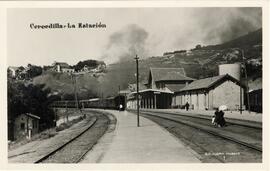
(120, 107)
(221, 120)
(215, 117)
(187, 106)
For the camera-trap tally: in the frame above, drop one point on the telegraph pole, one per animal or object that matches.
(119, 101)
(75, 90)
(241, 87)
(137, 95)
(246, 81)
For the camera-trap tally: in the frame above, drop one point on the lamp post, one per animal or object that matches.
(137, 95)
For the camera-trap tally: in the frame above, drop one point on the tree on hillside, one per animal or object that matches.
(89, 63)
(198, 47)
(28, 99)
(34, 70)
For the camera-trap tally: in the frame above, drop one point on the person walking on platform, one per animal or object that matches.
(187, 106)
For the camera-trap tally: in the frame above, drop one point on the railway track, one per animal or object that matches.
(76, 148)
(182, 126)
(232, 121)
(249, 124)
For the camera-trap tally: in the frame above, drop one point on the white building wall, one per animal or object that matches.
(193, 101)
(228, 93)
(177, 100)
(13, 72)
(184, 100)
(28, 122)
(201, 97)
(68, 70)
(211, 99)
(58, 68)
(207, 100)
(153, 84)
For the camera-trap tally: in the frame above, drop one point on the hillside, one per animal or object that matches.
(198, 63)
(201, 63)
(244, 42)
(62, 84)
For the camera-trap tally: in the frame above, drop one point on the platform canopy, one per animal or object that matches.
(153, 90)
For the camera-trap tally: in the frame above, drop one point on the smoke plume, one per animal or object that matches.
(224, 24)
(123, 45)
(209, 26)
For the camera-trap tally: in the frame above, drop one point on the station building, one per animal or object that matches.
(160, 87)
(210, 93)
(171, 88)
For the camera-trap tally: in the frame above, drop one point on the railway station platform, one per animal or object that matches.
(246, 116)
(148, 143)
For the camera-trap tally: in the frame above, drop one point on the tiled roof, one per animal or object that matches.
(132, 95)
(175, 87)
(204, 83)
(169, 74)
(133, 87)
(32, 115)
(153, 90)
(62, 64)
(13, 67)
(126, 91)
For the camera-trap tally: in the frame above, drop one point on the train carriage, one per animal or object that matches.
(106, 103)
(255, 99)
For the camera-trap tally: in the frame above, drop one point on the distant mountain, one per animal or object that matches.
(246, 41)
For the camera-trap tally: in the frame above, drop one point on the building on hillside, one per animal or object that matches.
(101, 67)
(68, 70)
(62, 67)
(19, 73)
(26, 125)
(160, 86)
(210, 93)
(13, 71)
(91, 69)
(86, 68)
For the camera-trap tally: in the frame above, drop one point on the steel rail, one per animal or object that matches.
(65, 144)
(228, 120)
(208, 131)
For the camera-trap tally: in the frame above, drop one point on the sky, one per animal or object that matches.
(129, 31)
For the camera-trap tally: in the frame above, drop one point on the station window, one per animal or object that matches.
(34, 123)
(22, 126)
